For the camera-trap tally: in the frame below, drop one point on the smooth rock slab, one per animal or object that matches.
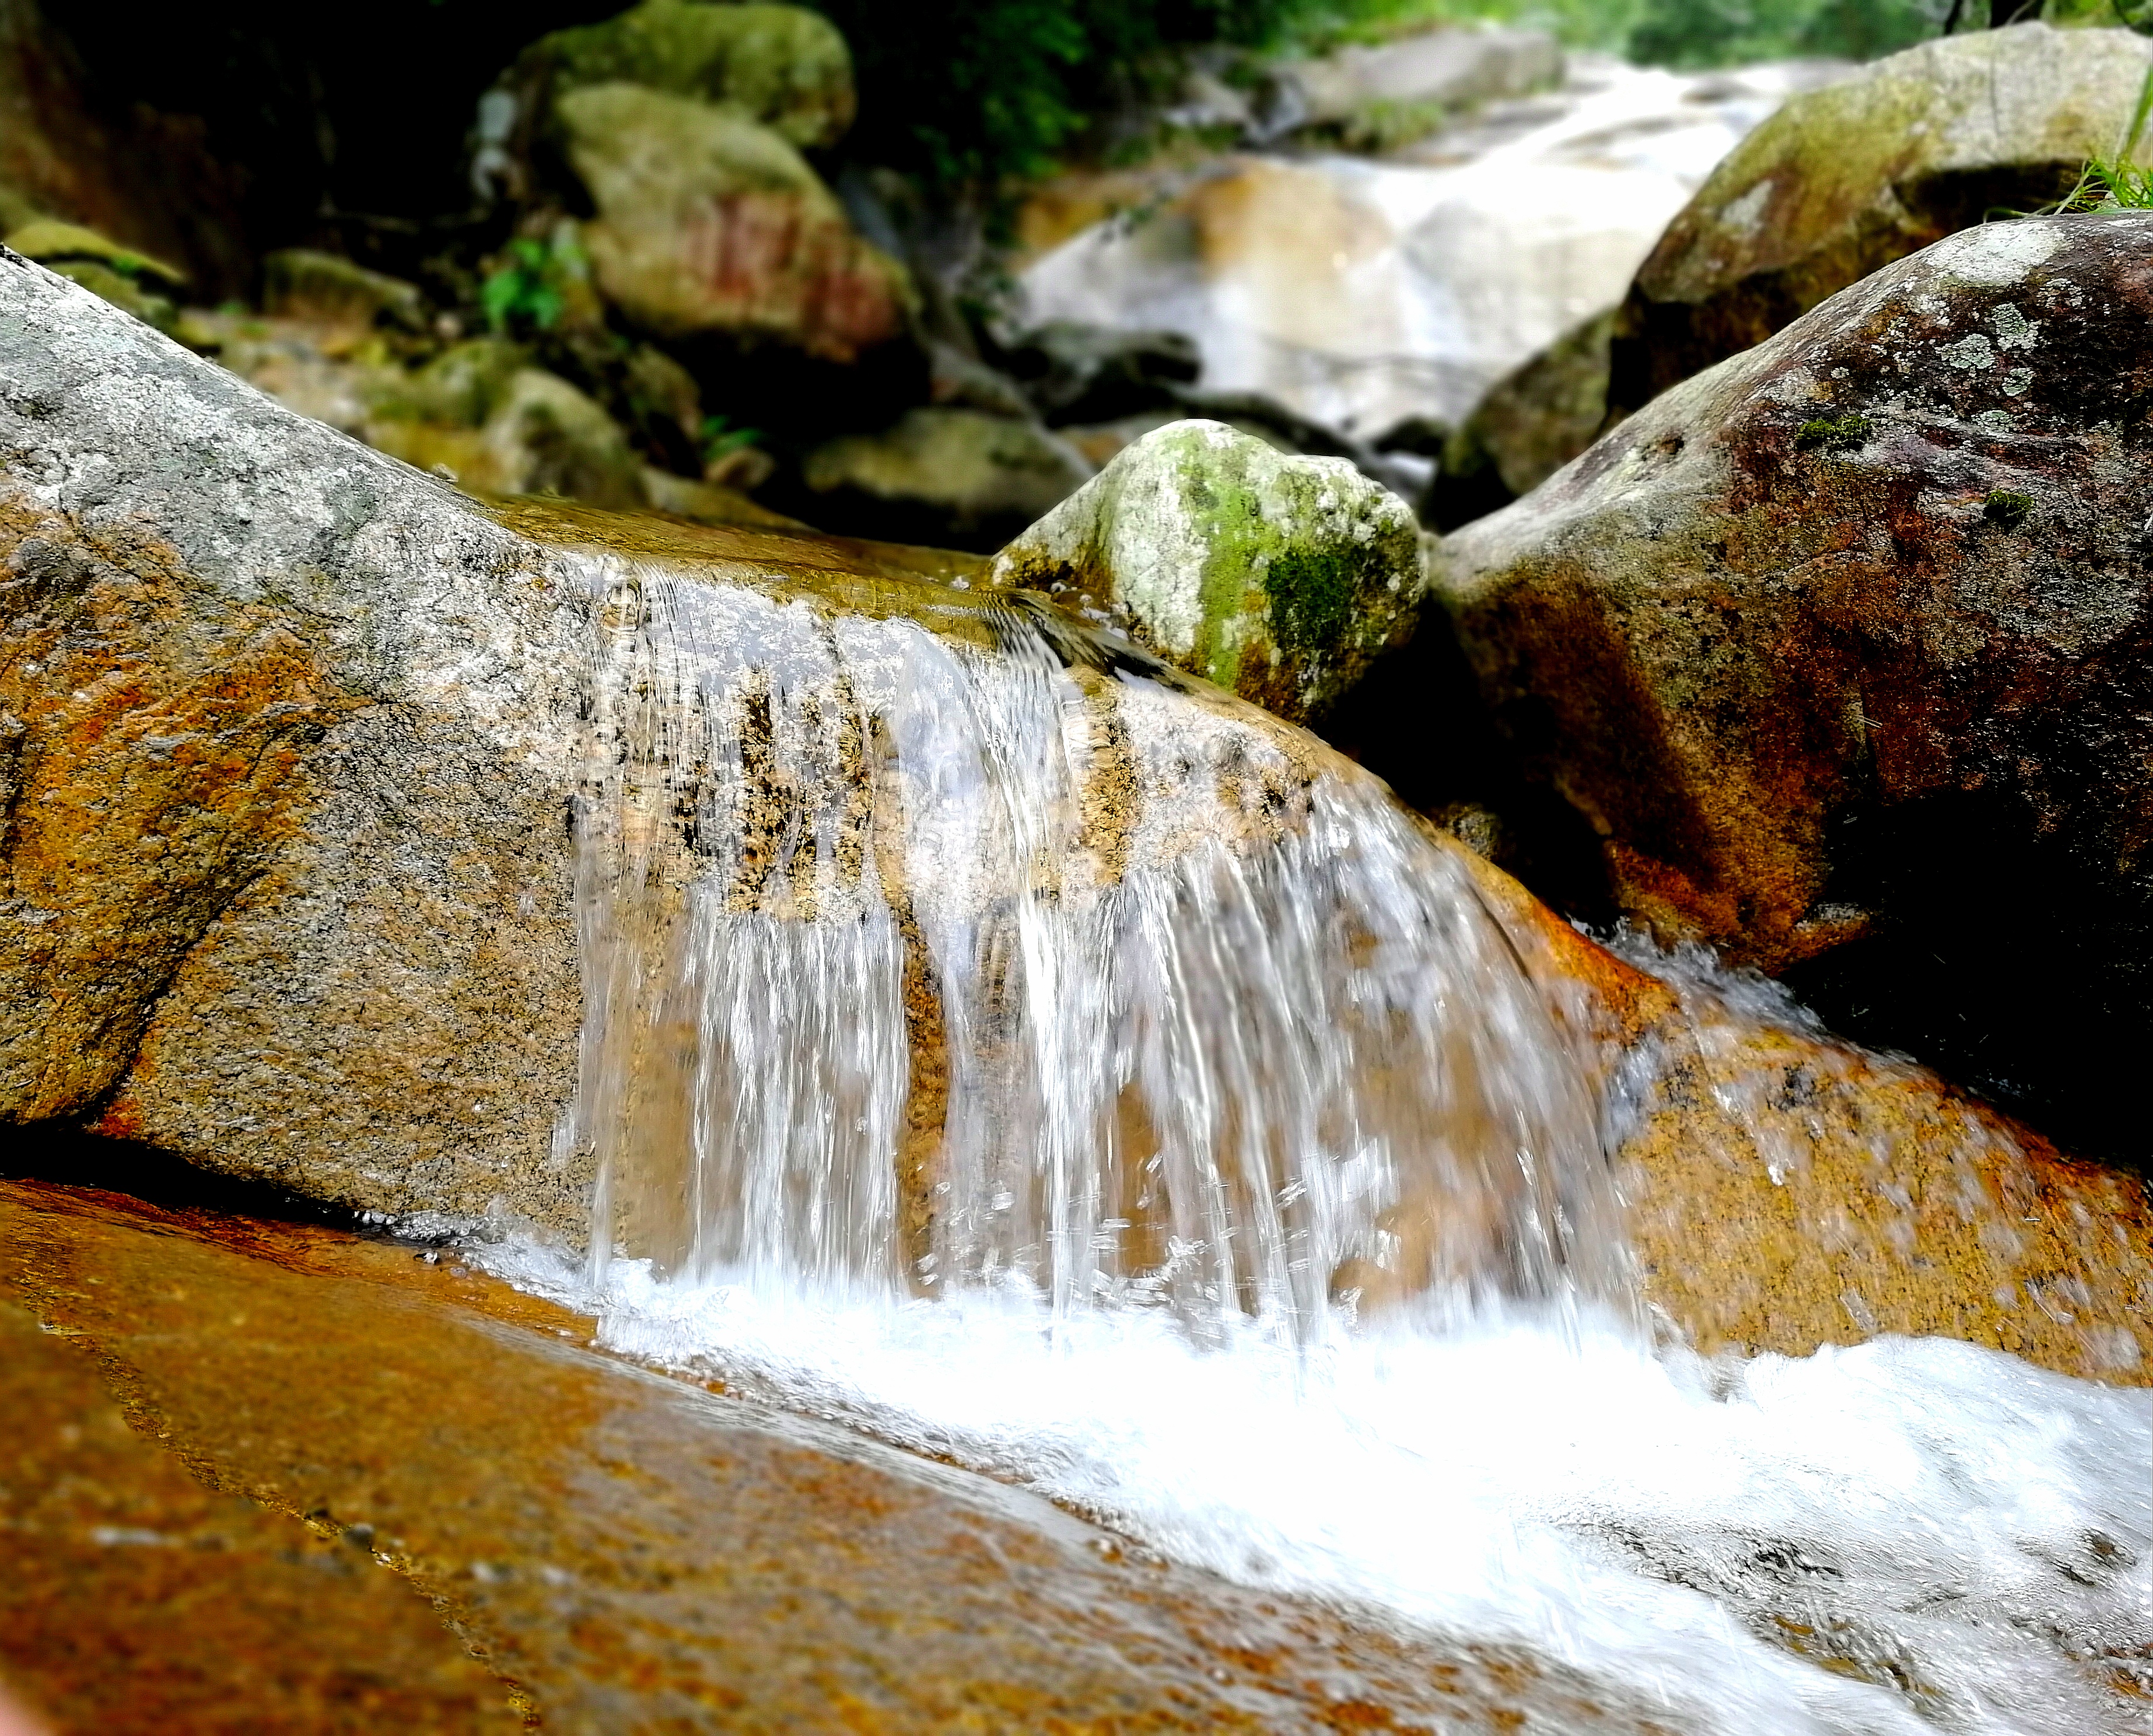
(623, 1551)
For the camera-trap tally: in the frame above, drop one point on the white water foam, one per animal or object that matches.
(1967, 1535)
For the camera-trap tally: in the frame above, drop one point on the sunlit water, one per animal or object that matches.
(1264, 1210)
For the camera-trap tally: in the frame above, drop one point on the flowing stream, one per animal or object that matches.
(994, 1045)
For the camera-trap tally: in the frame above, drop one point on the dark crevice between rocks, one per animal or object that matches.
(1417, 721)
(63, 1154)
(2004, 958)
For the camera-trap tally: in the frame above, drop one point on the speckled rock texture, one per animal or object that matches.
(1277, 576)
(1897, 550)
(1845, 180)
(289, 732)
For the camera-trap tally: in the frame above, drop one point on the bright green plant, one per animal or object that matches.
(720, 437)
(527, 291)
(2116, 183)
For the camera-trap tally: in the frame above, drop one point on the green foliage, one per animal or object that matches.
(525, 293)
(992, 88)
(720, 437)
(2006, 508)
(1725, 32)
(2116, 183)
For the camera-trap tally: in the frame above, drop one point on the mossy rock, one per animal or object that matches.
(327, 288)
(1843, 180)
(51, 242)
(783, 66)
(1278, 576)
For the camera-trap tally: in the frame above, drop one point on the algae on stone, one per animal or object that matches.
(1278, 576)
(783, 67)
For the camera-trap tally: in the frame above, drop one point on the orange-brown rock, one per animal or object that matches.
(323, 1436)
(1786, 1190)
(1846, 640)
(294, 744)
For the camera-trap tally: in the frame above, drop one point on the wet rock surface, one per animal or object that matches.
(294, 779)
(1785, 1190)
(1829, 633)
(1843, 181)
(323, 1436)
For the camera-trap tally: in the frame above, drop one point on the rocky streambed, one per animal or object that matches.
(820, 1132)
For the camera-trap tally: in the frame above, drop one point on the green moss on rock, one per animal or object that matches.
(1278, 576)
(784, 66)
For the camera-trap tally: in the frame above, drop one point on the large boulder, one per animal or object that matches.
(293, 743)
(710, 222)
(1841, 645)
(413, 854)
(1280, 577)
(784, 67)
(1847, 179)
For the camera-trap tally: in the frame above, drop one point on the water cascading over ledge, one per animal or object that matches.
(929, 960)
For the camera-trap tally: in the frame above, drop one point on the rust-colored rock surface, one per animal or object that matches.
(1786, 1190)
(1848, 637)
(291, 743)
(1843, 181)
(322, 1436)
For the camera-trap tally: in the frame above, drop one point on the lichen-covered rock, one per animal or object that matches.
(1278, 576)
(966, 474)
(1843, 180)
(784, 67)
(710, 222)
(1844, 641)
(137, 283)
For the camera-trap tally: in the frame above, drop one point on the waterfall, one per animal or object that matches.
(989, 956)
(996, 1042)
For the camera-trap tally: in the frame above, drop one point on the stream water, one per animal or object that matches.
(997, 1049)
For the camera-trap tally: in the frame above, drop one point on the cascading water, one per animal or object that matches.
(924, 965)
(994, 1042)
